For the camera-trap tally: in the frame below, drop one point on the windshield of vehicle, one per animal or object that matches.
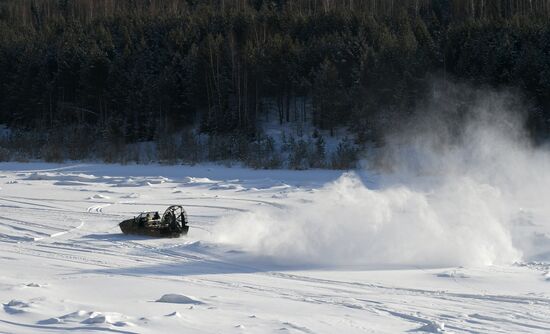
(149, 215)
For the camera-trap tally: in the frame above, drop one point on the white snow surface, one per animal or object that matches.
(272, 252)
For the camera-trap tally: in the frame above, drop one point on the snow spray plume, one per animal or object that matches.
(451, 198)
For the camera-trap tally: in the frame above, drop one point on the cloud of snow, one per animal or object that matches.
(446, 199)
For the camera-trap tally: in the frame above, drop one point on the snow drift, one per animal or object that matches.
(444, 200)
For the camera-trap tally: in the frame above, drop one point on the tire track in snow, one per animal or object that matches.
(30, 232)
(488, 297)
(54, 209)
(54, 235)
(31, 224)
(50, 255)
(27, 203)
(430, 319)
(98, 209)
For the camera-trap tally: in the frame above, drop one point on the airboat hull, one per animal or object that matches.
(130, 227)
(172, 225)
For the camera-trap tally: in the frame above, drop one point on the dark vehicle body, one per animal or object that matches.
(172, 224)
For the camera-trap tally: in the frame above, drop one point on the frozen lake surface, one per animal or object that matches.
(267, 252)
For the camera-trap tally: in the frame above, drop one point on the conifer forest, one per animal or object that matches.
(199, 79)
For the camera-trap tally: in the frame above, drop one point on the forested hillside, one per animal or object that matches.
(90, 78)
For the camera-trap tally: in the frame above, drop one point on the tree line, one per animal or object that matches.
(117, 72)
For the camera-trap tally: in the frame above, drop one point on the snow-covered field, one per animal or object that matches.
(267, 252)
